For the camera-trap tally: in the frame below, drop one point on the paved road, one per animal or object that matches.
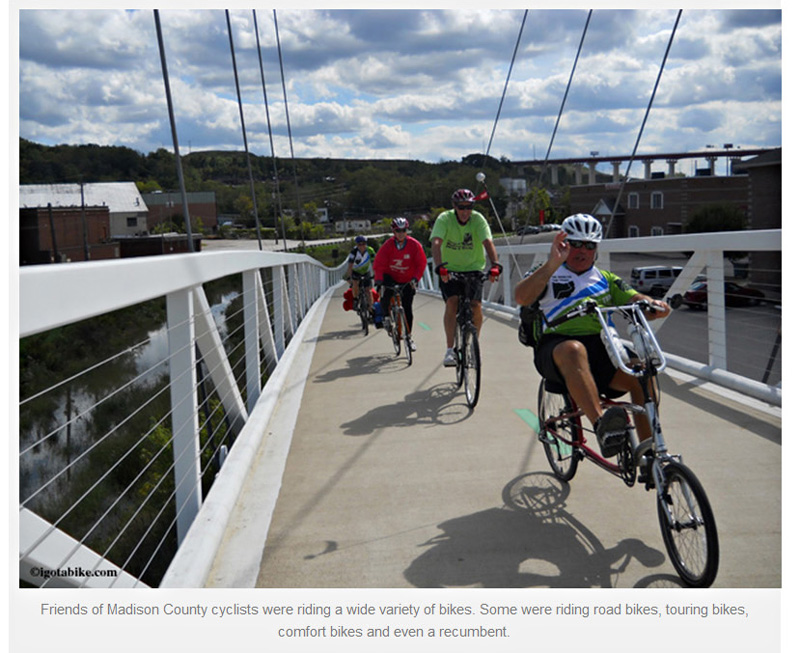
(391, 481)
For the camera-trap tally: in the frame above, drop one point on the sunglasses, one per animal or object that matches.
(463, 207)
(587, 244)
(400, 231)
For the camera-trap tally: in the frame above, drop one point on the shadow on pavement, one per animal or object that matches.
(426, 406)
(532, 542)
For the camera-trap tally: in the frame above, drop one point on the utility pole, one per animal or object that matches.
(85, 230)
(52, 232)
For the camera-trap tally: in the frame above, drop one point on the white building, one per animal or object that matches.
(346, 226)
(126, 208)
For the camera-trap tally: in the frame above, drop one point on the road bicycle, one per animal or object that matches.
(684, 512)
(395, 322)
(466, 347)
(363, 303)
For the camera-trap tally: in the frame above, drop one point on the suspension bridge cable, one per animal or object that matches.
(564, 99)
(558, 117)
(181, 184)
(505, 88)
(644, 122)
(481, 177)
(244, 130)
(289, 129)
(271, 143)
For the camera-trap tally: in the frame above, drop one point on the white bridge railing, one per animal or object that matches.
(706, 256)
(277, 291)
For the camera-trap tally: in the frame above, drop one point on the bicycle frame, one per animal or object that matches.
(685, 516)
(582, 443)
(398, 332)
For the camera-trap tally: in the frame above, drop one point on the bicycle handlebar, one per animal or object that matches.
(469, 275)
(641, 333)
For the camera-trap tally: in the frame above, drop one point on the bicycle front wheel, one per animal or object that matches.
(458, 348)
(472, 366)
(688, 526)
(363, 309)
(397, 326)
(555, 423)
(406, 336)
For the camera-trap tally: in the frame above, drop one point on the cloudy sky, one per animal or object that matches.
(419, 84)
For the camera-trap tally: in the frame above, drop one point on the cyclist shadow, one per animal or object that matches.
(344, 334)
(385, 364)
(531, 542)
(428, 406)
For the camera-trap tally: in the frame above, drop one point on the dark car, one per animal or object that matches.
(735, 295)
(530, 229)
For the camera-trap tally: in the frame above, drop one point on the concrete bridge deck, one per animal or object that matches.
(390, 481)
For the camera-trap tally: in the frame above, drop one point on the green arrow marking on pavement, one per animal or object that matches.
(424, 326)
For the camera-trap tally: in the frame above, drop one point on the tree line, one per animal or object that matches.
(346, 187)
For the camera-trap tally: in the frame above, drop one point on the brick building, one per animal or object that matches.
(127, 213)
(167, 206)
(61, 234)
(659, 206)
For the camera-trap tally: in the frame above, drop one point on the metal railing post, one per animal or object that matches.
(278, 290)
(185, 426)
(715, 273)
(250, 283)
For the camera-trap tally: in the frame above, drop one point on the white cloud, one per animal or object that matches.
(403, 83)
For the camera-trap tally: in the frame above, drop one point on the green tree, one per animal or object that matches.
(718, 217)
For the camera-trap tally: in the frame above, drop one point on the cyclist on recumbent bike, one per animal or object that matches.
(573, 353)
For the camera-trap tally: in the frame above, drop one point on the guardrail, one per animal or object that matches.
(277, 291)
(705, 255)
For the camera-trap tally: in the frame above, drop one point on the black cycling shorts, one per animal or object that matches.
(362, 278)
(471, 287)
(603, 370)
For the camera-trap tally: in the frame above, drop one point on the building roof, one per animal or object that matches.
(771, 158)
(119, 197)
(170, 198)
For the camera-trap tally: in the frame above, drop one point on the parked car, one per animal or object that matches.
(530, 229)
(735, 295)
(654, 279)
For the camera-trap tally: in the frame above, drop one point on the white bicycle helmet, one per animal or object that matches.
(583, 226)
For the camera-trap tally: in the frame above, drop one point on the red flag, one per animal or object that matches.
(483, 195)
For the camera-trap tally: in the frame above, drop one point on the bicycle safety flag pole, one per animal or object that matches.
(484, 195)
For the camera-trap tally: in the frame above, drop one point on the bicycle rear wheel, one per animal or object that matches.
(554, 409)
(472, 366)
(688, 526)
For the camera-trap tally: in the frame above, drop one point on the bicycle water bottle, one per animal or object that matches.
(378, 311)
(639, 344)
(614, 344)
(652, 350)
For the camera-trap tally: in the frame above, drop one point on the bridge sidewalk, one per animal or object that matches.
(391, 481)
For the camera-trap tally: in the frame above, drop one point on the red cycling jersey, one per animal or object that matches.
(401, 265)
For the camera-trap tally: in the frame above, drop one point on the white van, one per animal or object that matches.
(654, 279)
